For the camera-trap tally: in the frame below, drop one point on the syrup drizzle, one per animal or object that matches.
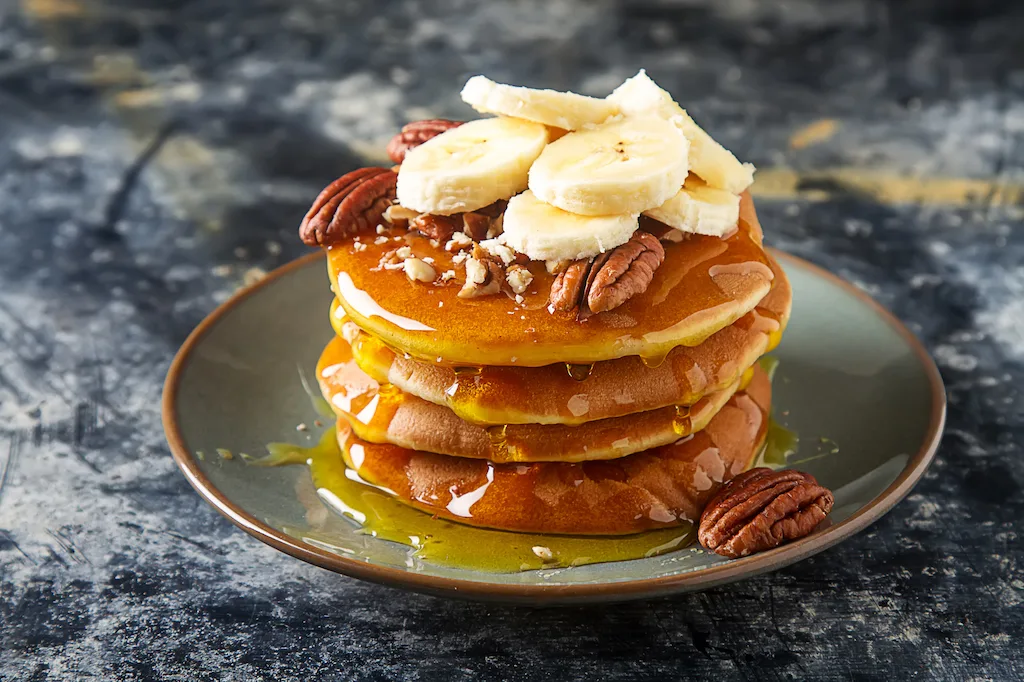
(700, 290)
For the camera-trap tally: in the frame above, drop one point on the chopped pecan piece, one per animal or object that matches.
(399, 216)
(608, 280)
(484, 276)
(439, 227)
(761, 509)
(518, 278)
(416, 133)
(493, 210)
(476, 225)
(353, 203)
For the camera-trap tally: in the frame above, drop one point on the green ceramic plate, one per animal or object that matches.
(863, 395)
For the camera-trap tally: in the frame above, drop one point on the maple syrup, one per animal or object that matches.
(443, 542)
(700, 288)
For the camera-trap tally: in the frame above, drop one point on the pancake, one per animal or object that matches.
(574, 394)
(704, 285)
(653, 489)
(381, 413)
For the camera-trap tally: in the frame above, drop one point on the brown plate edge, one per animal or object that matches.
(557, 594)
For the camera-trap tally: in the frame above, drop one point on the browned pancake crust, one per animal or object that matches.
(385, 414)
(657, 488)
(613, 388)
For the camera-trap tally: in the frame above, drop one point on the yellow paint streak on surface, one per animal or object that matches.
(155, 97)
(53, 9)
(886, 187)
(816, 132)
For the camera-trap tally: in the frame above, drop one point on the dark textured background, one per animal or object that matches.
(154, 156)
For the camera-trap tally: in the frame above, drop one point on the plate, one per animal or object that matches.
(860, 391)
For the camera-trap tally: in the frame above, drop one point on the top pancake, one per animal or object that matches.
(704, 285)
(575, 394)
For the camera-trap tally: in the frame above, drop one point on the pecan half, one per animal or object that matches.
(351, 204)
(416, 133)
(569, 290)
(610, 279)
(761, 509)
(439, 227)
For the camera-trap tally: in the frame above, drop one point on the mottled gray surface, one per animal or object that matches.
(156, 155)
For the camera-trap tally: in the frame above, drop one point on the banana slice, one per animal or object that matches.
(559, 109)
(716, 165)
(470, 166)
(700, 209)
(625, 166)
(544, 232)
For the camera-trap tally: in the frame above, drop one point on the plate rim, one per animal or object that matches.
(736, 569)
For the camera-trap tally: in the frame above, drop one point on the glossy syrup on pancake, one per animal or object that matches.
(705, 284)
(578, 393)
(381, 413)
(442, 542)
(657, 488)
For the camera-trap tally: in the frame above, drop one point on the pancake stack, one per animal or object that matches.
(542, 323)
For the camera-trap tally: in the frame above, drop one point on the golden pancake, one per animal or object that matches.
(574, 394)
(384, 414)
(704, 285)
(652, 489)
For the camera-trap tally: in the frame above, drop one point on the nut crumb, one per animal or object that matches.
(483, 278)
(447, 275)
(418, 271)
(358, 246)
(476, 271)
(498, 250)
(396, 213)
(380, 240)
(519, 278)
(459, 241)
(381, 229)
(301, 427)
(404, 252)
(543, 553)
(460, 257)
(556, 266)
(520, 299)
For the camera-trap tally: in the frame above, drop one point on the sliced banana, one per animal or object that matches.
(700, 209)
(626, 166)
(716, 165)
(470, 166)
(544, 232)
(559, 109)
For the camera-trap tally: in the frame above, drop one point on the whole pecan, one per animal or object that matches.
(761, 509)
(351, 204)
(610, 279)
(439, 227)
(416, 133)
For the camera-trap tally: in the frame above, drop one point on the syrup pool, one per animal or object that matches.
(447, 543)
